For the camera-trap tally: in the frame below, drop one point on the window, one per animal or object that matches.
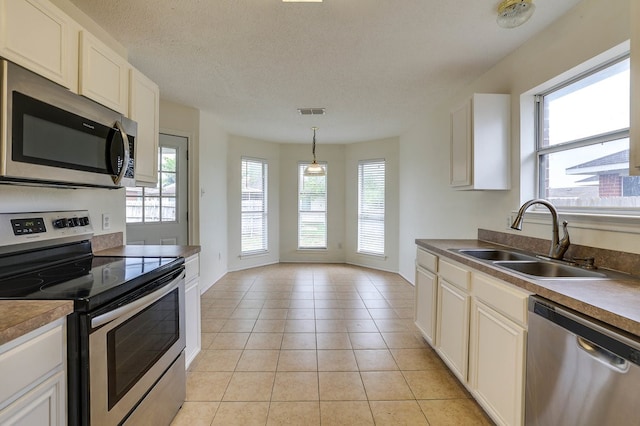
(371, 179)
(583, 142)
(254, 206)
(156, 205)
(312, 209)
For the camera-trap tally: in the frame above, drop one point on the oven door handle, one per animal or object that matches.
(139, 303)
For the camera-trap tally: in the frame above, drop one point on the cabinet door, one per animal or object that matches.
(37, 35)
(144, 108)
(453, 328)
(461, 145)
(426, 290)
(192, 314)
(104, 75)
(44, 405)
(497, 364)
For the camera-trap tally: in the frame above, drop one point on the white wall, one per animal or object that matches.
(430, 209)
(245, 147)
(212, 156)
(386, 149)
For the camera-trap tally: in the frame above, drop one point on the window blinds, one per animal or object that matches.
(371, 206)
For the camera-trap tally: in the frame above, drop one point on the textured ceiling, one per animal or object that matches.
(375, 65)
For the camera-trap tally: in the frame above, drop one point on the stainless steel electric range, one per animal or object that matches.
(126, 336)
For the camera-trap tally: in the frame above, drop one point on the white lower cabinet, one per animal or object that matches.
(41, 406)
(34, 378)
(497, 364)
(192, 308)
(453, 328)
(480, 332)
(426, 291)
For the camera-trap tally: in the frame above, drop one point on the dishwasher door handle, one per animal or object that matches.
(604, 356)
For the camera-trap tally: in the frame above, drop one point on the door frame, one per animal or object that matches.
(193, 204)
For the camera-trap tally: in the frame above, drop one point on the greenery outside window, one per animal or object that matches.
(254, 230)
(583, 142)
(156, 205)
(371, 207)
(312, 209)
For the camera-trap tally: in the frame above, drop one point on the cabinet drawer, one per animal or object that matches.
(31, 360)
(192, 267)
(427, 260)
(454, 274)
(505, 299)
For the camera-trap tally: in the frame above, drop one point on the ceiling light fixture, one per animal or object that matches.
(314, 169)
(513, 13)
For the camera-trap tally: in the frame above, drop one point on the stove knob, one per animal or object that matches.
(76, 221)
(85, 220)
(70, 223)
(60, 223)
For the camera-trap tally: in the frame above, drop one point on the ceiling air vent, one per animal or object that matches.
(311, 111)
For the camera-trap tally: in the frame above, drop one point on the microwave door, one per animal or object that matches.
(118, 153)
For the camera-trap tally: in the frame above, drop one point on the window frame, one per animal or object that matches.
(143, 193)
(300, 176)
(609, 136)
(360, 183)
(265, 206)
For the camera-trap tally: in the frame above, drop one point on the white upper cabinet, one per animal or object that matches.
(634, 142)
(480, 136)
(38, 36)
(144, 108)
(104, 75)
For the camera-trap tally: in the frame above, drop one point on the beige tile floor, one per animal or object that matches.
(308, 344)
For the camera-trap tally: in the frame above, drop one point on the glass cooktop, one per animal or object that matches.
(90, 281)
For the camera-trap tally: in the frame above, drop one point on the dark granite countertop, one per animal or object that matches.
(613, 301)
(150, 251)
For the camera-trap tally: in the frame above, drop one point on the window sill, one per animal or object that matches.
(312, 250)
(254, 254)
(378, 256)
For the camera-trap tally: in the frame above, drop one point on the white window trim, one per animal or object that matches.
(605, 220)
(326, 210)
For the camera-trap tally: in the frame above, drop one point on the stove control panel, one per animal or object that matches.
(71, 222)
(28, 226)
(41, 229)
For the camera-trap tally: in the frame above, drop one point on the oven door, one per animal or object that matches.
(130, 349)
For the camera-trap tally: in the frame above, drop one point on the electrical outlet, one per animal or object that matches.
(106, 221)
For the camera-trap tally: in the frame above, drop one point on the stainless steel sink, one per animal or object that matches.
(531, 265)
(494, 254)
(547, 269)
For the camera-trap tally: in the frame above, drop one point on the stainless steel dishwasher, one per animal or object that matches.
(579, 372)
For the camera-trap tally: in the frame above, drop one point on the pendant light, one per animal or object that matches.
(513, 13)
(314, 169)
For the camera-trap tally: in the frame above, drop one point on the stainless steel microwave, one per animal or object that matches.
(50, 135)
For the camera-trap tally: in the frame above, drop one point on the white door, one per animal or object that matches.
(159, 215)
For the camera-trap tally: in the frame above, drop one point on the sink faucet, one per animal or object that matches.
(558, 247)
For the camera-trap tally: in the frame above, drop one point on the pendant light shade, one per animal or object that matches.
(513, 13)
(314, 169)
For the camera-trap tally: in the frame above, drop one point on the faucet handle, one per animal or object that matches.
(585, 262)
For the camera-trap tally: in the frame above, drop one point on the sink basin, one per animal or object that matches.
(494, 254)
(541, 269)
